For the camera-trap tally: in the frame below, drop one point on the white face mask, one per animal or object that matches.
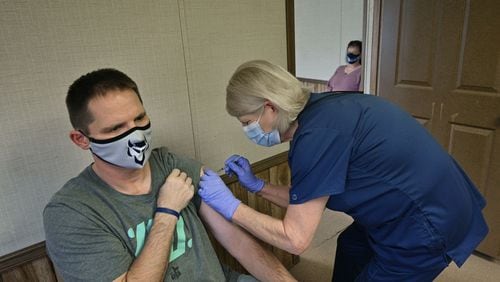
(128, 150)
(255, 133)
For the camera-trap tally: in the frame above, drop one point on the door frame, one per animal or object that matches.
(371, 39)
(371, 52)
(290, 35)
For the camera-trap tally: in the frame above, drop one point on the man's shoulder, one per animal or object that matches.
(74, 190)
(161, 153)
(169, 160)
(164, 152)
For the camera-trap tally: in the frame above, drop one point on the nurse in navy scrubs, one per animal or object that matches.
(414, 208)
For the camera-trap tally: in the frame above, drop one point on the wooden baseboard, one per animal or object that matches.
(23, 256)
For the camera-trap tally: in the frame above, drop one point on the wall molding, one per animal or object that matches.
(23, 256)
(310, 80)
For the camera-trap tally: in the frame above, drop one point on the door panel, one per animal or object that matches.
(472, 104)
(478, 60)
(406, 71)
(416, 48)
(447, 74)
(473, 148)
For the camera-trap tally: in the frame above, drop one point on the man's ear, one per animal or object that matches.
(79, 139)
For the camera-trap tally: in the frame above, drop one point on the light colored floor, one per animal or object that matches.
(317, 262)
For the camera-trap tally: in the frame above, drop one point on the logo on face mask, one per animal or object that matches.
(352, 58)
(128, 150)
(136, 150)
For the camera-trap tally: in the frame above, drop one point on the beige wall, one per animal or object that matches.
(181, 53)
(218, 37)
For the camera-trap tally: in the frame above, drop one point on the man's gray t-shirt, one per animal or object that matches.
(94, 232)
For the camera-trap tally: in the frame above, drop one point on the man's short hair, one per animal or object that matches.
(90, 86)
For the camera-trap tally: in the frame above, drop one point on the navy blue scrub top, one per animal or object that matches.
(380, 166)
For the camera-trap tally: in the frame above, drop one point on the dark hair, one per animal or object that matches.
(90, 86)
(357, 44)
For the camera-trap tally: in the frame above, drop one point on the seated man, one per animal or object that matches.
(131, 214)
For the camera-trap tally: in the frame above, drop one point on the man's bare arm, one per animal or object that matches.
(261, 263)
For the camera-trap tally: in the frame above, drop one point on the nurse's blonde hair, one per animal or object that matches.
(254, 82)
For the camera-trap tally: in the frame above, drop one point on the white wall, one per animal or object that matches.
(322, 30)
(181, 54)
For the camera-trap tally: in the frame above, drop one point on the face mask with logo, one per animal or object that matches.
(351, 58)
(128, 150)
(255, 133)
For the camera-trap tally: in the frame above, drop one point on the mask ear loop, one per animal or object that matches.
(88, 137)
(261, 113)
(260, 116)
(83, 133)
(90, 146)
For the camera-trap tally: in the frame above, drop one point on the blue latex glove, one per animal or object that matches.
(215, 193)
(241, 167)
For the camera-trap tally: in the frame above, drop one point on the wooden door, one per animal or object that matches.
(440, 60)
(407, 57)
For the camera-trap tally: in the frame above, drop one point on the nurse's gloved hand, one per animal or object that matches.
(215, 193)
(241, 167)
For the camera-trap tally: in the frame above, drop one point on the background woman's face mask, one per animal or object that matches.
(128, 150)
(351, 58)
(255, 133)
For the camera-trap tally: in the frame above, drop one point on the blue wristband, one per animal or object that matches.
(169, 211)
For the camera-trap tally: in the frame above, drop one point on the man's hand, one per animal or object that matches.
(215, 193)
(241, 167)
(176, 192)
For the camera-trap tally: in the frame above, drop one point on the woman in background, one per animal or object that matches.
(348, 77)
